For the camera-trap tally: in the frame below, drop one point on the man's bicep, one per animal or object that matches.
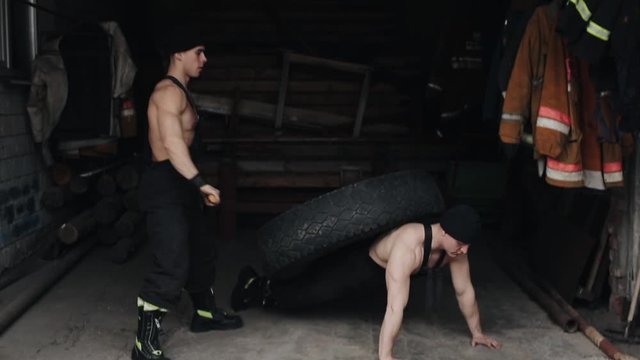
(397, 276)
(168, 114)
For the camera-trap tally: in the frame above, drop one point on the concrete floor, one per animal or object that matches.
(91, 314)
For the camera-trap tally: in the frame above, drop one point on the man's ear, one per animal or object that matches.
(177, 56)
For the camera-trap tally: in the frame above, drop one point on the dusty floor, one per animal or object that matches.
(90, 314)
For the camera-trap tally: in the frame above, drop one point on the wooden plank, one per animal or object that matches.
(308, 86)
(289, 180)
(299, 166)
(282, 93)
(264, 207)
(333, 64)
(362, 104)
(259, 110)
(228, 179)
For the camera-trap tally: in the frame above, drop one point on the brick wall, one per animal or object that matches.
(22, 179)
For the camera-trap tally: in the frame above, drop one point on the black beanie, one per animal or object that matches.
(180, 38)
(462, 223)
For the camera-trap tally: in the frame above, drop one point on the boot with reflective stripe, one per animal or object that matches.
(147, 345)
(208, 316)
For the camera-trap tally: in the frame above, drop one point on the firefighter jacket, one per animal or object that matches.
(545, 94)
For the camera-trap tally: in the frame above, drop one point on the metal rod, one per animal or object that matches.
(5, 34)
(32, 31)
(585, 327)
(567, 322)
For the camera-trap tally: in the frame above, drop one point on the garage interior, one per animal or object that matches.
(297, 99)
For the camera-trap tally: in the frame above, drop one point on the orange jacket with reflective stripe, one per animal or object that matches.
(545, 88)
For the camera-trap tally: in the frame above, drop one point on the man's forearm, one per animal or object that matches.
(469, 308)
(388, 332)
(181, 159)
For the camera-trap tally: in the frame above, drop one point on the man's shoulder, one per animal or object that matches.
(167, 93)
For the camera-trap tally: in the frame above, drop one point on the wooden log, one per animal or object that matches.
(106, 185)
(127, 223)
(130, 200)
(126, 246)
(107, 235)
(56, 197)
(127, 177)
(108, 210)
(79, 226)
(78, 185)
(61, 174)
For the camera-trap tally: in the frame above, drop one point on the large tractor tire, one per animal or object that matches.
(355, 212)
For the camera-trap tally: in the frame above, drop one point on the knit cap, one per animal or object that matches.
(462, 223)
(180, 38)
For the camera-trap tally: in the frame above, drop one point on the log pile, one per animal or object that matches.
(103, 204)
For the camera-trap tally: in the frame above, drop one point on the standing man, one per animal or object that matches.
(409, 250)
(173, 195)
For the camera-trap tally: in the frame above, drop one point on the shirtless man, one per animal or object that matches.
(173, 195)
(408, 250)
(403, 252)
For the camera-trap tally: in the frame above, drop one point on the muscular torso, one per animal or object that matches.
(408, 239)
(155, 112)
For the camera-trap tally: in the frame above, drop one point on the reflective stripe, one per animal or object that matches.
(150, 307)
(565, 167)
(582, 8)
(512, 117)
(563, 171)
(613, 177)
(554, 114)
(205, 314)
(246, 286)
(593, 179)
(612, 167)
(564, 176)
(598, 31)
(140, 302)
(552, 124)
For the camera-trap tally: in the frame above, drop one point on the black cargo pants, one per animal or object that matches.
(183, 253)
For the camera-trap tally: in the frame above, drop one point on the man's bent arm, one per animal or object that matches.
(171, 133)
(397, 276)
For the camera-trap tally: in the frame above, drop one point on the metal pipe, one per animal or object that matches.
(40, 283)
(567, 322)
(32, 31)
(587, 329)
(5, 34)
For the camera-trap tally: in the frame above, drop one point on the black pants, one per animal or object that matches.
(348, 271)
(183, 253)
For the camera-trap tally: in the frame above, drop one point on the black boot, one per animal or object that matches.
(208, 316)
(249, 290)
(147, 346)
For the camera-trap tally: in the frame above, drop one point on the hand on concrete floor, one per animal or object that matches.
(486, 341)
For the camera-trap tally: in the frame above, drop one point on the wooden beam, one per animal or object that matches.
(282, 93)
(362, 104)
(259, 110)
(288, 180)
(333, 64)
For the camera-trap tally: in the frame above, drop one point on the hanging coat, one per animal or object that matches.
(545, 91)
(47, 95)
